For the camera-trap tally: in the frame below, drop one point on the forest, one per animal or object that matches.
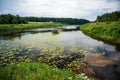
(12, 19)
(113, 16)
(61, 20)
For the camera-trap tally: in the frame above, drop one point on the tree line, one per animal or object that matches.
(11, 19)
(61, 20)
(16, 19)
(113, 16)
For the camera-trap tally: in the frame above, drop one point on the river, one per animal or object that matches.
(69, 37)
(66, 36)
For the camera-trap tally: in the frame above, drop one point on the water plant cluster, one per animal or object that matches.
(54, 54)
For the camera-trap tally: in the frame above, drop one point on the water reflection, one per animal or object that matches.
(35, 31)
(10, 37)
(67, 36)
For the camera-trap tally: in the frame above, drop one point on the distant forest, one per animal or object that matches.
(12, 19)
(113, 16)
(61, 20)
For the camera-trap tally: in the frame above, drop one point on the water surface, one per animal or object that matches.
(68, 37)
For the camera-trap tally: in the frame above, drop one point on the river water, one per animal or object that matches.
(68, 36)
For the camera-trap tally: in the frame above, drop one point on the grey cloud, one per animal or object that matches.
(88, 9)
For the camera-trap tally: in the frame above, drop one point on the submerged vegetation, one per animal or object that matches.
(104, 29)
(53, 54)
(26, 62)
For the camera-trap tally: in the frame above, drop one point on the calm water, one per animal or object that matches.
(40, 38)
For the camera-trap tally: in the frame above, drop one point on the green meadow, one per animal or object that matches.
(30, 25)
(36, 71)
(16, 28)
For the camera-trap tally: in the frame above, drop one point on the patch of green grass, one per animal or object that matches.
(35, 71)
(30, 25)
(109, 31)
(17, 28)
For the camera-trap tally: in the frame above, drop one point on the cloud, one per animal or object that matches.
(88, 9)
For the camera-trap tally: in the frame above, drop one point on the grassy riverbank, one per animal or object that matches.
(35, 71)
(14, 28)
(107, 31)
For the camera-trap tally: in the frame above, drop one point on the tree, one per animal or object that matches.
(14, 21)
(61, 20)
(113, 16)
(11, 19)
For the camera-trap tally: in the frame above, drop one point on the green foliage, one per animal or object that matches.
(30, 25)
(61, 20)
(106, 27)
(113, 16)
(55, 32)
(16, 28)
(11, 19)
(104, 30)
(35, 71)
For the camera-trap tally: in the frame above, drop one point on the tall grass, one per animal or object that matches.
(105, 30)
(35, 71)
(29, 25)
(7, 29)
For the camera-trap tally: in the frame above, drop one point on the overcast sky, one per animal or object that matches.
(87, 9)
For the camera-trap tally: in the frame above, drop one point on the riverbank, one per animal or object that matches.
(6, 29)
(107, 31)
(36, 71)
